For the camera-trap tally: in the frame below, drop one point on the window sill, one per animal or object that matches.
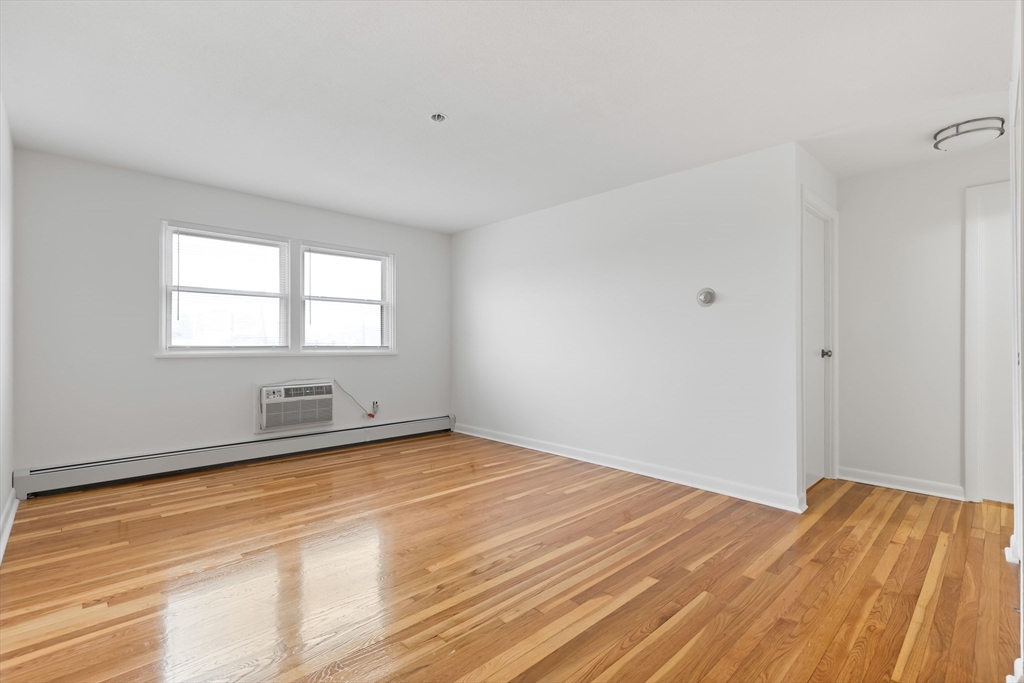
(276, 354)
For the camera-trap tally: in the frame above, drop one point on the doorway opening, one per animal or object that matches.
(818, 357)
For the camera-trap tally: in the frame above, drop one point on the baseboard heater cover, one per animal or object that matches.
(31, 481)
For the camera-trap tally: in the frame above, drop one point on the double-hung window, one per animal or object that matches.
(228, 292)
(345, 299)
(224, 291)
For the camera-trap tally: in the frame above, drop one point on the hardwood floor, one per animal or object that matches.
(450, 558)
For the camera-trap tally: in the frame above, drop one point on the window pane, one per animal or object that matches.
(225, 264)
(225, 320)
(333, 323)
(342, 277)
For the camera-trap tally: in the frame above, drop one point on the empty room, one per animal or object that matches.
(565, 341)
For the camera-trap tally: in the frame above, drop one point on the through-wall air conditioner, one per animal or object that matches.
(295, 404)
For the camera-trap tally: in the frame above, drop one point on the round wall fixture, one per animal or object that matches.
(439, 117)
(706, 296)
(970, 133)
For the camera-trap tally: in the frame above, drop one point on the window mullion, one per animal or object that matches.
(296, 307)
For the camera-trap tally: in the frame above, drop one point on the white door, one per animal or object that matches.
(989, 356)
(816, 419)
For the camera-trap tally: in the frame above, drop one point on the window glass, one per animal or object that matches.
(215, 263)
(202, 319)
(333, 323)
(342, 277)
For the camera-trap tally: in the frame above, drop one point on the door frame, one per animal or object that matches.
(818, 207)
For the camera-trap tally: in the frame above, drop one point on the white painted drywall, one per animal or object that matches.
(548, 101)
(86, 308)
(815, 177)
(901, 320)
(7, 500)
(989, 286)
(576, 329)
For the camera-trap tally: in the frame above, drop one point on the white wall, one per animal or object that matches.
(7, 500)
(576, 329)
(989, 355)
(812, 175)
(86, 307)
(901, 320)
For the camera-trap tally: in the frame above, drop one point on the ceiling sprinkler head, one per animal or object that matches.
(439, 117)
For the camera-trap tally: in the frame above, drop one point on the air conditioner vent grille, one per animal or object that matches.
(284, 406)
(318, 390)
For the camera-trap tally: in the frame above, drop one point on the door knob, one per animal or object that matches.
(826, 354)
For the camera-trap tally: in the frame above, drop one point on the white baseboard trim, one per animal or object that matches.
(27, 482)
(1018, 673)
(892, 481)
(754, 494)
(1012, 551)
(7, 523)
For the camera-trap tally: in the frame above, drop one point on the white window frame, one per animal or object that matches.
(293, 297)
(386, 302)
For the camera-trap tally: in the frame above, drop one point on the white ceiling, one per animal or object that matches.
(328, 103)
(906, 140)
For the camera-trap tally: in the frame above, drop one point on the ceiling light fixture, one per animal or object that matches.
(439, 117)
(970, 133)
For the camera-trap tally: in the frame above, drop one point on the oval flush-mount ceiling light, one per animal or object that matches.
(438, 117)
(970, 133)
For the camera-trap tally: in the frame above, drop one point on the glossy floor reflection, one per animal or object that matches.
(451, 558)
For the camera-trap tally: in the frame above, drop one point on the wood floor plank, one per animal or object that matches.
(941, 633)
(613, 672)
(962, 646)
(989, 606)
(448, 557)
(524, 654)
(912, 650)
(755, 633)
(828, 645)
(719, 635)
(842, 643)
